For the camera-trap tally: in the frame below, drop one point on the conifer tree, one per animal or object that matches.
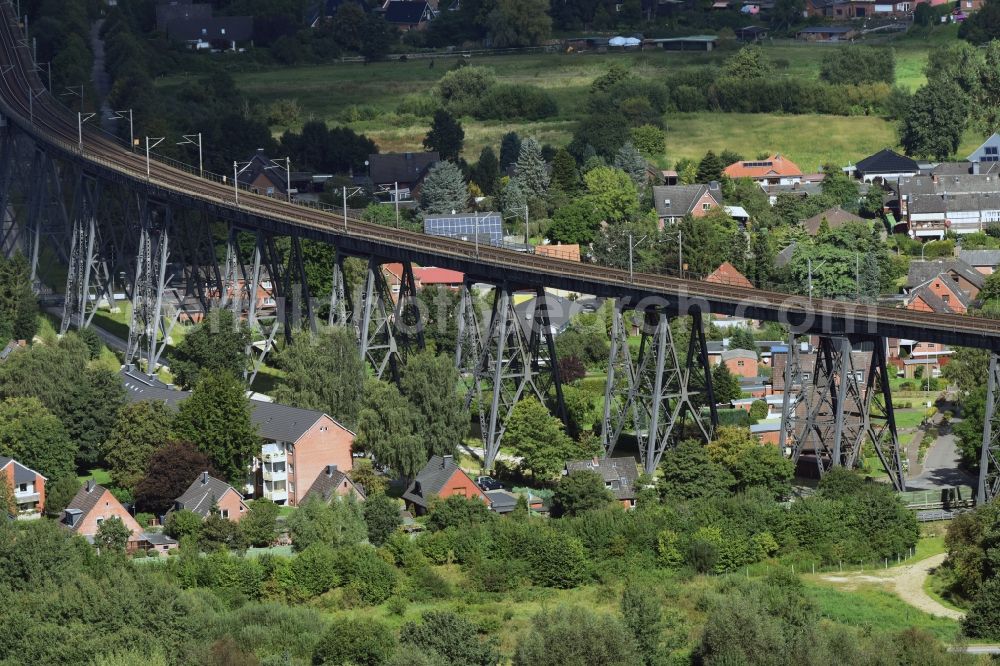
(444, 190)
(532, 175)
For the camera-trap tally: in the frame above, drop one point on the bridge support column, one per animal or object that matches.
(86, 265)
(661, 392)
(148, 285)
(843, 404)
(507, 364)
(375, 332)
(340, 307)
(989, 467)
(407, 321)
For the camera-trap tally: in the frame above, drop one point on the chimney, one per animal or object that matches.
(204, 478)
(447, 460)
(90, 485)
(934, 178)
(330, 469)
(713, 185)
(594, 462)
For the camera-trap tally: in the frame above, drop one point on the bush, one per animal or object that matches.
(372, 580)
(515, 102)
(358, 641)
(498, 576)
(422, 106)
(450, 636)
(576, 635)
(314, 570)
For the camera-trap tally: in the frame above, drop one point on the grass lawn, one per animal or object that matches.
(908, 418)
(98, 474)
(876, 608)
(343, 93)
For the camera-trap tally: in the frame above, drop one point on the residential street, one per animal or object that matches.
(940, 468)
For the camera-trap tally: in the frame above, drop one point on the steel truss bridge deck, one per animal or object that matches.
(648, 394)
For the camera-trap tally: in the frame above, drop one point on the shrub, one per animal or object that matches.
(314, 571)
(370, 578)
(452, 637)
(576, 635)
(498, 575)
(359, 641)
(515, 102)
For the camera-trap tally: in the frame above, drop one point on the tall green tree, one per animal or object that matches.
(140, 429)
(710, 168)
(96, 399)
(260, 525)
(387, 430)
(442, 421)
(218, 343)
(741, 337)
(855, 65)
(687, 472)
(520, 23)
(486, 173)
(532, 172)
(539, 438)
(323, 372)
(30, 434)
(935, 120)
(18, 305)
(216, 417)
(444, 190)
(510, 148)
(446, 135)
(612, 194)
(576, 222)
(631, 161)
(642, 613)
(565, 175)
(725, 385)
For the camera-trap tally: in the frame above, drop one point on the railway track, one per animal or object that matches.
(49, 123)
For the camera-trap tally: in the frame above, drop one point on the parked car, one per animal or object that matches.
(488, 483)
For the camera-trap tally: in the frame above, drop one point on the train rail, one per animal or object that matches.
(49, 123)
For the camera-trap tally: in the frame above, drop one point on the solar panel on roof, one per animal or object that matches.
(466, 227)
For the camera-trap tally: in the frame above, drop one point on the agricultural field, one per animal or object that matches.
(366, 98)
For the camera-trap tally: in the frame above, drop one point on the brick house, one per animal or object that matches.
(296, 443)
(620, 476)
(333, 482)
(673, 202)
(774, 170)
(965, 277)
(263, 176)
(299, 444)
(984, 261)
(741, 362)
(950, 199)
(939, 294)
(441, 477)
(91, 506)
(27, 485)
(207, 492)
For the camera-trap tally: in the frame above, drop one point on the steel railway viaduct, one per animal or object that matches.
(106, 211)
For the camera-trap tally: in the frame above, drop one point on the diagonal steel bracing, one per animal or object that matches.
(989, 458)
(149, 282)
(656, 393)
(376, 337)
(843, 404)
(506, 364)
(88, 277)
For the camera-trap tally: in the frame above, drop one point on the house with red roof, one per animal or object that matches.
(726, 273)
(773, 170)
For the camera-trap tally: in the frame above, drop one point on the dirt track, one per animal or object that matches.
(908, 582)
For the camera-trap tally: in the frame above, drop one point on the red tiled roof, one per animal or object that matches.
(727, 274)
(427, 276)
(775, 165)
(570, 252)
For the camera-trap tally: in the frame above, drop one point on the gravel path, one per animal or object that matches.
(908, 581)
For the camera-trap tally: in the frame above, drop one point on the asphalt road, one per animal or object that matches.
(941, 468)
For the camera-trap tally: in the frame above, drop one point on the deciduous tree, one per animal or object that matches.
(578, 492)
(442, 420)
(112, 535)
(612, 194)
(520, 23)
(576, 635)
(216, 417)
(451, 638)
(361, 641)
(260, 525)
(339, 523)
(171, 470)
(382, 517)
(30, 434)
(140, 429)
(323, 372)
(387, 429)
(217, 344)
(689, 473)
(539, 438)
(934, 122)
(18, 305)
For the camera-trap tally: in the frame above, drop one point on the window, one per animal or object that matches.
(266, 284)
(100, 521)
(23, 488)
(204, 31)
(223, 31)
(706, 206)
(739, 364)
(666, 203)
(323, 428)
(946, 298)
(225, 513)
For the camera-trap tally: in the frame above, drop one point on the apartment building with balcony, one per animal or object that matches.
(28, 487)
(298, 445)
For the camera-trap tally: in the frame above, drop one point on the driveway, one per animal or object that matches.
(941, 465)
